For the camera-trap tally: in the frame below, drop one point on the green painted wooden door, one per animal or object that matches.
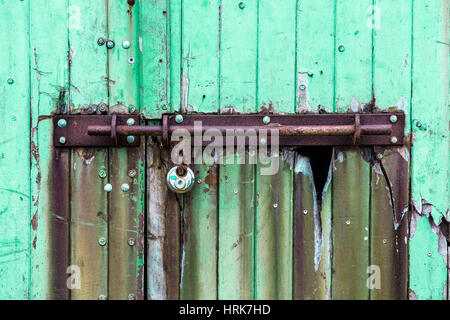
(333, 223)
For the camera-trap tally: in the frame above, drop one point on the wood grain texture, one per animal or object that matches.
(15, 199)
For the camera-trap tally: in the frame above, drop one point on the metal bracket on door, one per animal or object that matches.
(364, 129)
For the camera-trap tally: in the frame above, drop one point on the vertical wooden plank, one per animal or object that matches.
(200, 54)
(390, 176)
(315, 81)
(238, 77)
(163, 229)
(50, 167)
(154, 43)
(89, 210)
(126, 208)
(275, 92)
(199, 91)
(429, 176)
(200, 237)
(351, 192)
(236, 231)
(14, 152)
(353, 90)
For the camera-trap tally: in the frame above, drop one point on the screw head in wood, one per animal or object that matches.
(10, 80)
(108, 187)
(393, 119)
(266, 120)
(394, 139)
(102, 241)
(101, 41)
(125, 187)
(126, 44)
(241, 5)
(131, 122)
(62, 123)
(110, 44)
(131, 242)
(102, 173)
(341, 48)
(62, 140)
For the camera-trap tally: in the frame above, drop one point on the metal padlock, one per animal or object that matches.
(180, 179)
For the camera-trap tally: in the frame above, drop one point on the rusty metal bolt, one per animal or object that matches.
(394, 140)
(131, 242)
(132, 173)
(130, 139)
(62, 140)
(125, 187)
(62, 123)
(131, 297)
(110, 44)
(341, 48)
(102, 107)
(241, 5)
(101, 41)
(266, 120)
(126, 44)
(178, 118)
(102, 241)
(108, 187)
(10, 80)
(102, 173)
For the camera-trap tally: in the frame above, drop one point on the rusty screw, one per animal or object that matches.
(110, 44)
(62, 140)
(266, 120)
(101, 41)
(132, 173)
(131, 241)
(62, 123)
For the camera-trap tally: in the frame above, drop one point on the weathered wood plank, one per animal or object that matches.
(429, 161)
(154, 43)
(199, 272)
(390, 176)
(353, 92)
(89, 209)
(50, 167)
(314, 83)
(126, 207)
(163, 229)
(15, 197)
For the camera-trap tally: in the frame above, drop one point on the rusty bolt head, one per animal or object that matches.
(130, 139)
(130, 122)
(384, 241)
(126, 44)
(131, 297)
(102, 241)
(108, 187)
(131, 109)
(62, 123)
(379, 156)
(341, 48)
(125, 187)
(102, 107)
(132, 173)
(131, 241)
(62, 140)
(102, 174)
(110, 44)
(178, 118)
(394, 140)
(10, 80)
(102, 297)
(101, 41)
(266, 120)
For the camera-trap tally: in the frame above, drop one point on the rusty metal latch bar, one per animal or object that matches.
(293, 130)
